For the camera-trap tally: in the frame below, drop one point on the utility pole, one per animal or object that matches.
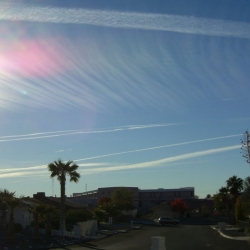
(245, 146)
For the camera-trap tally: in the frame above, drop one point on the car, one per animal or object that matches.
(167, 220)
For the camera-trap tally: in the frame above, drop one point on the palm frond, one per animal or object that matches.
(74, 176)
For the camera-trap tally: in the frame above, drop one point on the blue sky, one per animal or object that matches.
(153, 94)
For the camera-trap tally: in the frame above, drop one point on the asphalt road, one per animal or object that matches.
(177, 238)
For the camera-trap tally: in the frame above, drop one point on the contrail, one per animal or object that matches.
(8, 173)
(158, 147)
(74, 132)
(161, 161)
(35, 134)
(131, 20)
(37, 169)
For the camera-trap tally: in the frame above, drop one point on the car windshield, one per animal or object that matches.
(151, 95)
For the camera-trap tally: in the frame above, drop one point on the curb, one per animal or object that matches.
(246, 238)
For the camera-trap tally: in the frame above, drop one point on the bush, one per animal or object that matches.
(76, 215)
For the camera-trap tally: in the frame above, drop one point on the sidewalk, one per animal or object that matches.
(233, 233)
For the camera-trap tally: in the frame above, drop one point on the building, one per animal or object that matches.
(142, 197)
(152, 197)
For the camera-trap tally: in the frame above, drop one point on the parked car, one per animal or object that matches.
(167, 220)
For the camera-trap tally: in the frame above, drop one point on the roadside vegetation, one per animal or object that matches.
(121, 201)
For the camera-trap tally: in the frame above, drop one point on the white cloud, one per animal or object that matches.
(44, 135)
(156, 163)
(93, 168)
(73, 75)
(19, 174)
(132, 20)
(158, 147)
(40, 170)
(63, 150)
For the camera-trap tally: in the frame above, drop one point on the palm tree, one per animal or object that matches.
(49, 212)
(224, 197)
(5, 196)
(12, 203)
(61, 170)
(45, 213)
(42, 213)
(235, 186)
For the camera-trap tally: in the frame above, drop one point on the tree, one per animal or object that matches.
(106, 208)
(5, 196)
(222, 200)
(235, 186)
(44, 214)
(49, 213)
(123, 199)
(77, 215)
(37, 212)
(240, 209)
(100, 214)
(104, 200)
(61, 170)
(12, 204)
(9, 201)
(179, 205)
(227, 196)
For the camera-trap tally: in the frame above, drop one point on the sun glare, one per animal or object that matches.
(30, 58)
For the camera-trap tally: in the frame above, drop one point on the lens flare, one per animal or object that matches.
(30, 58)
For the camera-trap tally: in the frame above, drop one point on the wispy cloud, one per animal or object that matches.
(63, 150)
(67, 76)
(44, 135)
(156, 163)
(230, 99)
(93, 168)
(132, 20)
(40, 170)
(158, 147)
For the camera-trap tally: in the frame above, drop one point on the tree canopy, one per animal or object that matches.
(123, 199)
(179, 205)
(234, 186)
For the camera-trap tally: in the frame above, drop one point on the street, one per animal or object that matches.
(177, 237)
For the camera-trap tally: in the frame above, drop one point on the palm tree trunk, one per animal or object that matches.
(48, 225)
(11, 232)
(62, 207)
(229, 214)
(4, 215)
(36, 226)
